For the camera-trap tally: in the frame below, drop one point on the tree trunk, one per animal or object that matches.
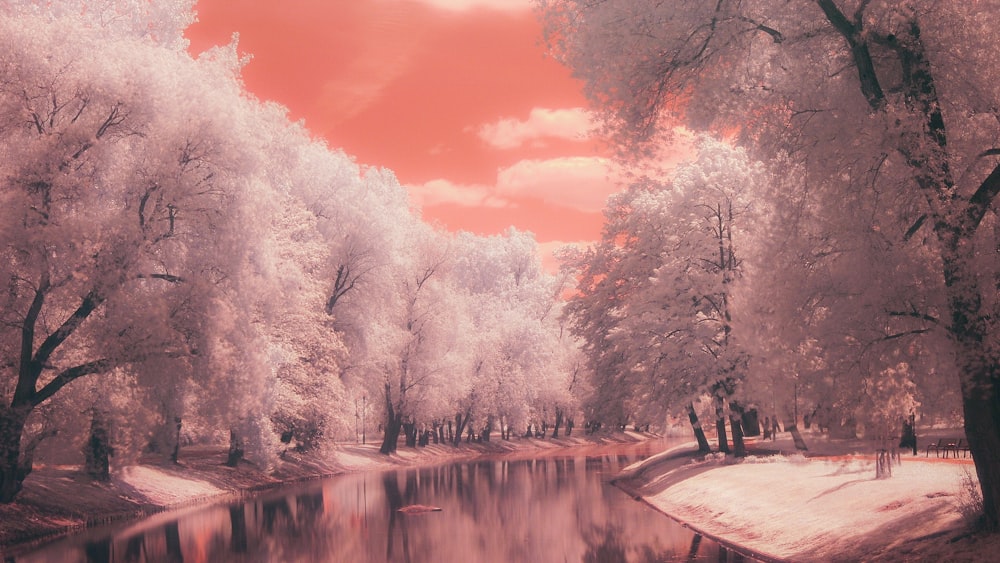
(908, 434)
(410, 430)
(723, 436)
(176, 450)
(488, 429)
(735, 422)
(460, 422)
(393, 425)
(235, 449)
(12, 470)
(800, 443)
(699, 433)
(97, 450)
(982, 411)
(720, 425)
(559, 419)
(978, 364)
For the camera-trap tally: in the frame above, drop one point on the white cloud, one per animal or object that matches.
(578, 182)
(440, 191)
(508, 133)
(463, 5)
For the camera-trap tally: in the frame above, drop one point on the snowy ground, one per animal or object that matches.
(824, 508)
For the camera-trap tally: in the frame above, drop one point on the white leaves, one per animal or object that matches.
(655, 294)
(161, 22)
(248, 273)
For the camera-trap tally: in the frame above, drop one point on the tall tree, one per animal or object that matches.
(906, 91)
(521, 360)
(671, 249)
(861, 304)
(118, 216)
(416, 337)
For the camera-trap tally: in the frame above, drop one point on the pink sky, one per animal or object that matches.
(455, 96)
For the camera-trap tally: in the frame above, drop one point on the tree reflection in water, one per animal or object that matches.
(553, 509)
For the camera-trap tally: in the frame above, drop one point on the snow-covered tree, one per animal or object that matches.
(521, 361)
(893, 99)
(161, 23)
(669, 254)
(119, 220)
(410, 343)
(860, 303)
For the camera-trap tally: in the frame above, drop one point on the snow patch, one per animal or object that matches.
(790, 507)
(160, 487)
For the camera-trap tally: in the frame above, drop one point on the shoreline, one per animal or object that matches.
(756, 506)
(627, 481)
(779, 505)
(730, 546)
(59, 501)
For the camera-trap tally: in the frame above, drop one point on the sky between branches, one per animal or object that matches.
(456, 97)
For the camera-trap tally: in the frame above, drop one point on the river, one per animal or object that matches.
(558, 507)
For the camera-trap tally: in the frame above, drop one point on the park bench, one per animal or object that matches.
(944, 445)
(963, 447)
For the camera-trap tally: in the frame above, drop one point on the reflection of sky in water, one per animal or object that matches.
(554, 509)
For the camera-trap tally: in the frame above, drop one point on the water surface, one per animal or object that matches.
(556, 508)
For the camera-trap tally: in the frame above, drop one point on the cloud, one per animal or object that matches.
(578, 182)
(440, 191)
(509, 133)
(464, 5)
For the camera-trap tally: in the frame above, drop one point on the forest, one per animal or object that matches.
(186, 264)
(183, 264)
(846, 271)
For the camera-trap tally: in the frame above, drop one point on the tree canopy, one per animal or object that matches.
(183, 263)
(885, 114)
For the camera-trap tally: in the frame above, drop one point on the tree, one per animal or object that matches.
(117, 217)
(671, 249)
(306, 352)
(161, 23)
(519, 356)
(896, 99)
(831, 303)
(417, 333)
(598, 282)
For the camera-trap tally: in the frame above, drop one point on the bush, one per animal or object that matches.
(970, 499)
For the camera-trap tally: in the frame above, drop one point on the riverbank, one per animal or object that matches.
(821, 505)
(58, 500)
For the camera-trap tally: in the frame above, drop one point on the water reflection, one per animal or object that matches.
(555, 509)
